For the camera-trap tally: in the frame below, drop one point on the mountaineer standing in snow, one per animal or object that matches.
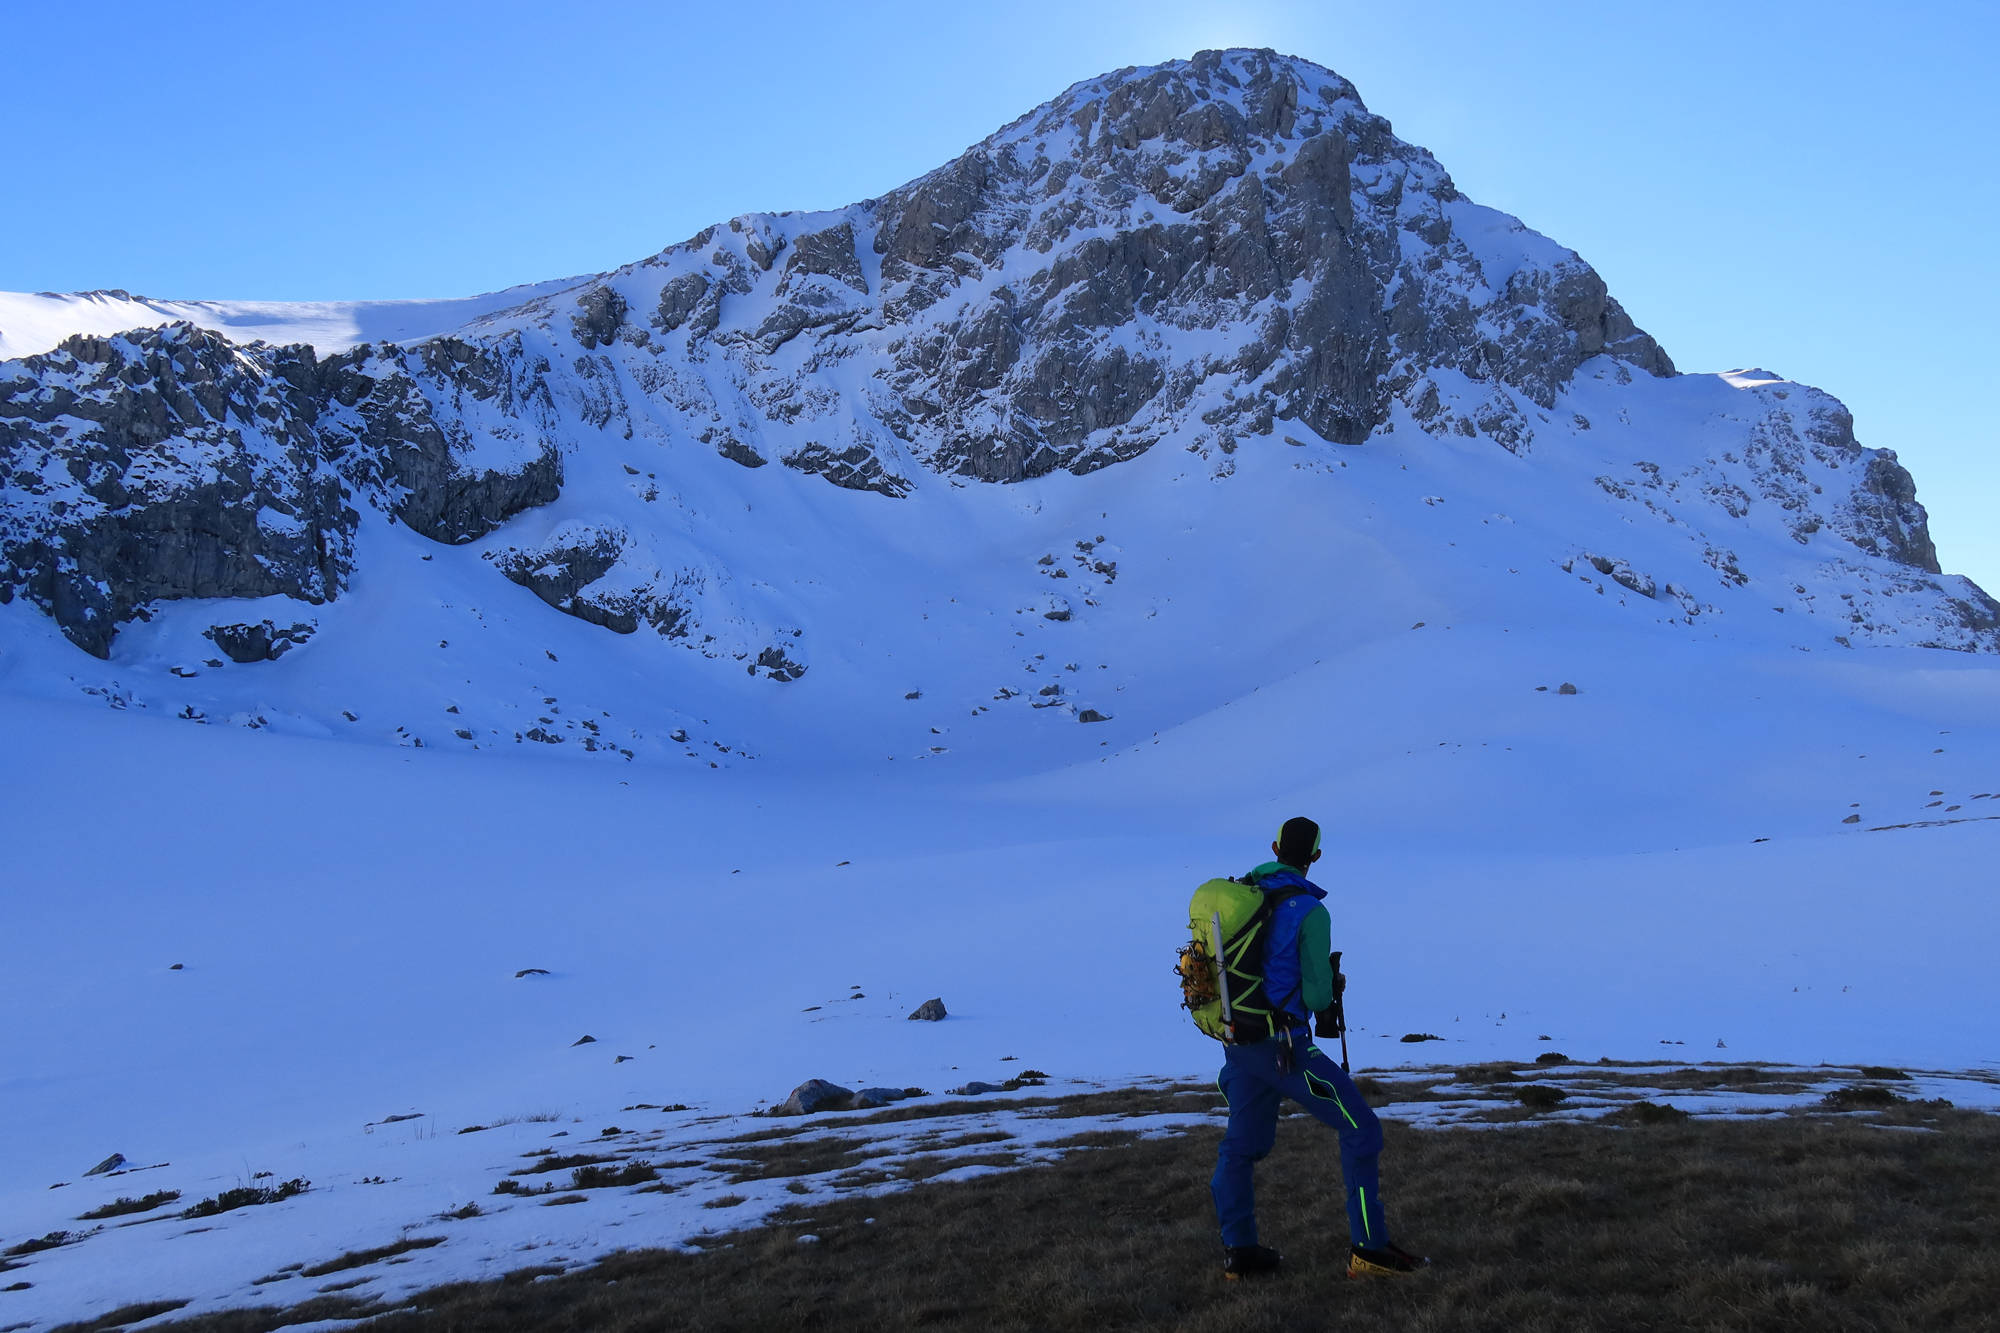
(1269, 1053)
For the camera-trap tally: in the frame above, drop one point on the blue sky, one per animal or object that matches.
(1806, 187)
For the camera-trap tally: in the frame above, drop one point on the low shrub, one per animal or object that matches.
(122, 1207)
(246, 1197)
(1540, 1096)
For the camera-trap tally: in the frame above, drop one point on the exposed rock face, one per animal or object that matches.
(456, 433)
(161, 464)
(170, 463)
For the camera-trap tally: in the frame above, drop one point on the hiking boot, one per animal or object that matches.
(1388, 1261)
(1240, 1261)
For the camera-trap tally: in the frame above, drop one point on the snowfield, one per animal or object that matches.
(34, 322)
(1654, 868)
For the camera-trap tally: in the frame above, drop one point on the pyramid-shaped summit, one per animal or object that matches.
(1201, 248)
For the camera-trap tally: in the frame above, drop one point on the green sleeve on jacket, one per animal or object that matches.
(1315, 970)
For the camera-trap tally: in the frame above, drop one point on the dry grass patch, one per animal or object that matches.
(1643, 1112)
(940, 1142)
(248, 1196)
(261, 1319)
(1778, 1223)
(544, 1163)
(1862, 1097)
(925, 1166)
(362, 1258)
(124, 1207)
(607, 1177)
(1539, 1096)
(1096, 1138)
(129, 1314)
(771, 1160)
(1167, 1099)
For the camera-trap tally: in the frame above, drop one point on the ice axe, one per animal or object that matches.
(1333, 1022)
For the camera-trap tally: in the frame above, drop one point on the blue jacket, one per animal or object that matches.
(1284, 982)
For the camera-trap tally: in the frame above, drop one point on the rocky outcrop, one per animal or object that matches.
(596, 574)
(263, 641)
(164, 463)
(170, 463)
(457, 435)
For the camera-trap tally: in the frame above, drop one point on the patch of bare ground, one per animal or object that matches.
(1783, 1222)
(262, 1319)
(362, 1258)
(545, 1162)
(925, 1166)
(1162, 1099)
(130, 1314)
(769, 1159)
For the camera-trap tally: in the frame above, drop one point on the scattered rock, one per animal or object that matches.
(108, 1165)
(930, 1011)
(531, 972)
(1092, 715)
(1552, 1058)
(177, 967)
(869, 1098)
(1421, 1036)
(816, 1095)
(261, 642)
(585, 1040)
(1566, 688)
(974, 1089)
(1852, 819)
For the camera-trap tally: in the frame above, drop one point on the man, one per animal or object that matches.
(1299, 981)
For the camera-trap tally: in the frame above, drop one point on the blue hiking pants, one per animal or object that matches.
(1253, 1086)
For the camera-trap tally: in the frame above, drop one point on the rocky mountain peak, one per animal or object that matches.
(1203, 256)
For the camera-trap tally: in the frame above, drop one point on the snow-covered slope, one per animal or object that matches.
(35, 322)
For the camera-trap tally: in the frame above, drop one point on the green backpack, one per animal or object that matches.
(1228, 919)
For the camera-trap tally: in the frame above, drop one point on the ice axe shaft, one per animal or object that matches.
(1340, 1009)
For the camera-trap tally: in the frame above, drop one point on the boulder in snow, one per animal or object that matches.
(930, 1011)
(816, 1095)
